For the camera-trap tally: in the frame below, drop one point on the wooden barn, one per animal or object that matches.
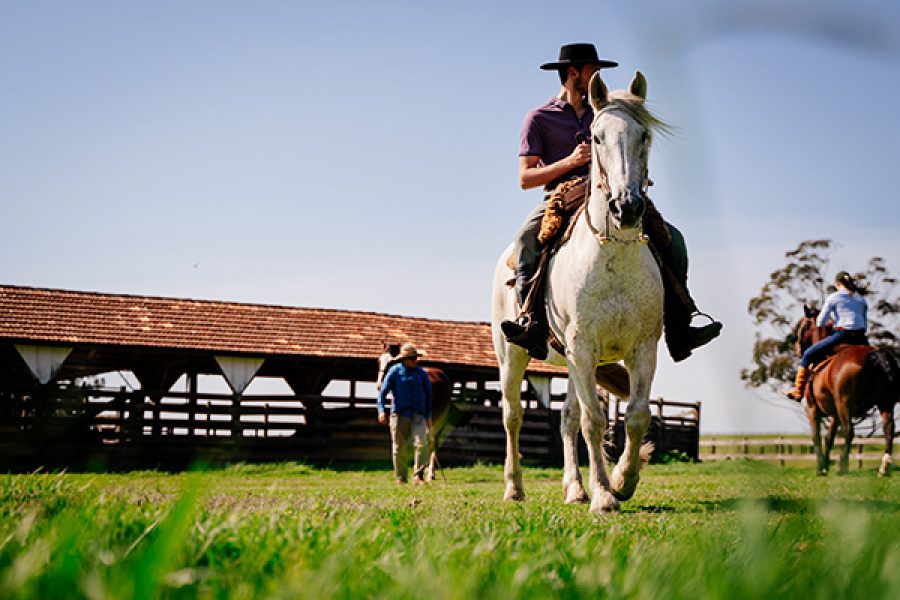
(300, 384)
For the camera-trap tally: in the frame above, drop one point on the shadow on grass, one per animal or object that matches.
(774, 504)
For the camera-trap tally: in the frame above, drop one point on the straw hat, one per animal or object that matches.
(408, 351)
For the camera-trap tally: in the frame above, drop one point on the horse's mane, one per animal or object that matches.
(635, 107)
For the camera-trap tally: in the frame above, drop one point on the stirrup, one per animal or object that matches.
(700, 313)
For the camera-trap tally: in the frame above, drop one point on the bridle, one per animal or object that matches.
(602, 185)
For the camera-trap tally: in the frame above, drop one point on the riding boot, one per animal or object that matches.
(799, 384)
(530, 329)
(679, 308)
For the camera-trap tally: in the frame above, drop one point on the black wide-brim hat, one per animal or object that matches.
(578, 54)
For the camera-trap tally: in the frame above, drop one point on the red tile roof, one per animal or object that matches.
(63, 316)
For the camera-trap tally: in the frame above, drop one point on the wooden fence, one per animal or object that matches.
(70, 425)
(787, 449)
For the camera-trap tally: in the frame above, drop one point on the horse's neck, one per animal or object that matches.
(821, 333)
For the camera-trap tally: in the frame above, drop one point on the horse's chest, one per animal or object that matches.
(613, 301)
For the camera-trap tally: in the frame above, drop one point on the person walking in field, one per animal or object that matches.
(847, 309)
(556, 148)
(411, 412)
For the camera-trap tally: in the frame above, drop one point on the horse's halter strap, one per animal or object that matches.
(602, 185)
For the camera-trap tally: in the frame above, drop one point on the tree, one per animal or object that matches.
(807, 280)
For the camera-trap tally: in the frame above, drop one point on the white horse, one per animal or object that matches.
(604, 303)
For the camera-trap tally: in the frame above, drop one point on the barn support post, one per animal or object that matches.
(236, 432)
(137, 417)
(193, 401)
(41, 400)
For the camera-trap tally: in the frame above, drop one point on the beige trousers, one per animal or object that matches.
(402, 429)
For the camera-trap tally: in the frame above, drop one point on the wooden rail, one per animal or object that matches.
(74, 421)
(785, 449)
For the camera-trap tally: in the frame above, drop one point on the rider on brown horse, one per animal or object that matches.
(847, 309)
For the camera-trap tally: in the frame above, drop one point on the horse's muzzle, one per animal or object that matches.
(628, 208)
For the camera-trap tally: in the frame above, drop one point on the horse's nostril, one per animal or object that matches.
(614, 207)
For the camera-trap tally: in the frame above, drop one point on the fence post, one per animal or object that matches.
(780, 448)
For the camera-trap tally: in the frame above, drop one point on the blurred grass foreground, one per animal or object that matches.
(736, 529)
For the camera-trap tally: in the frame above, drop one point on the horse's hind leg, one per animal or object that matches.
(512, 370)
(887, 421)
(815, 426)
(847, 430)
(570, 416)
(829, 444)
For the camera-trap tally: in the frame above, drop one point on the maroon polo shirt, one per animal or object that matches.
(549, 133)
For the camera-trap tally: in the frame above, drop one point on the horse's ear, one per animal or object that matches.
(639, 85)
(597, 92)
(807, 311)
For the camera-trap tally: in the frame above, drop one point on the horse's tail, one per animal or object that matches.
(886, 361)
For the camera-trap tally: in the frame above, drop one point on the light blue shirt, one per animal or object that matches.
(848, 310)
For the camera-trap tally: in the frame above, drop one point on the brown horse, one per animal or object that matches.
(846, 386)
(441, 391)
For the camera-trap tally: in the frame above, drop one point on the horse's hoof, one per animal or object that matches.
(514, 494)
(622, 488)
(575, 494)
(604, 503)
(884, 473)
(822, 472)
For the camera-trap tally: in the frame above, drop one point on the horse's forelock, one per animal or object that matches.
(635, 107)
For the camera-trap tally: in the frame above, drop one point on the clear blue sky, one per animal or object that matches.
(363, 155)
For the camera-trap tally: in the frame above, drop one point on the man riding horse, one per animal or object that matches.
(555, 148)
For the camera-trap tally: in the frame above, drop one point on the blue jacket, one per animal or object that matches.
(410, 388)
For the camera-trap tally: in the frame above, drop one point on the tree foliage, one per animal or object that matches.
(807, 278)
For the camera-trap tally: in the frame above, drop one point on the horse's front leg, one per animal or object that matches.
(593, 428)
(511, 385)
(887, 422)
(626, 474)
(570, 416)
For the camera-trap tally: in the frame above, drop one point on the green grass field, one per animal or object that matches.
(737, 529)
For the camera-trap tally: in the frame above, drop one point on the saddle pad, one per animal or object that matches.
(820, 366)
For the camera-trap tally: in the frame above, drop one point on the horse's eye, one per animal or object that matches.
(598, 139)
(644, 137)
